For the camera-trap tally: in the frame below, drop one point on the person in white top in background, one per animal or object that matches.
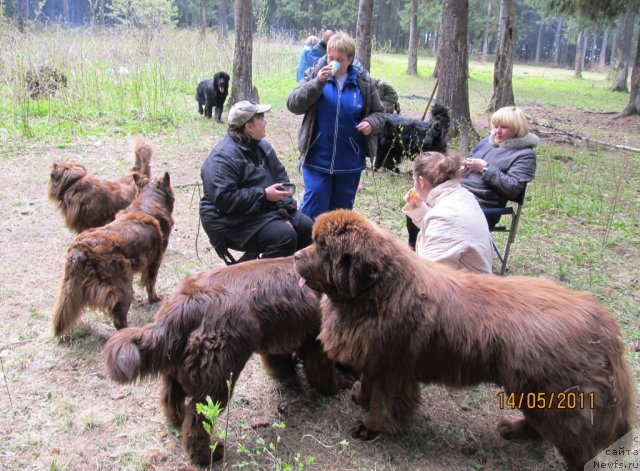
(453, 228)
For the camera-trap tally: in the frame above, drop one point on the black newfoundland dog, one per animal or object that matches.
(403, 138)
(213, 93)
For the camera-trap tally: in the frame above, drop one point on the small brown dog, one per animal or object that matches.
(101, 261)
(402, 321)
(207, 331)
(86, 201)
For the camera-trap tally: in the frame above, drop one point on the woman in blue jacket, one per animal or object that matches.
(342, 112)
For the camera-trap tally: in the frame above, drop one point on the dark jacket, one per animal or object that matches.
(510, 166)
(234, 177)
(304, 97)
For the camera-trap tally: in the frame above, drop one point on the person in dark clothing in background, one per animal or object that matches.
(244, 200)
(311, 52)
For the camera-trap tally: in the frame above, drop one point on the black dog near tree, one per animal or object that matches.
(213, 93)
(404, 138)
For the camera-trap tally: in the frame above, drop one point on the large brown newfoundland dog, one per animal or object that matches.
(205, 333)
(101, 261)
(86, 201)
(402, 321)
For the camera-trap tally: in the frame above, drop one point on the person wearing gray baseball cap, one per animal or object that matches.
(245, 205)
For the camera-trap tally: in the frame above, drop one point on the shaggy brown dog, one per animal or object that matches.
(86, 201)
(205, 333)
(101, 261)
(402, 321)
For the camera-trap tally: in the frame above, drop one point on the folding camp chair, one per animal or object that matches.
(221, 247)
(514, 209)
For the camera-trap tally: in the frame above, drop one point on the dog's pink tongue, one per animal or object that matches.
(301, 282)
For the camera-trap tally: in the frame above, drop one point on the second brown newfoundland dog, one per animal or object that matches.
(204, 334)
(402, 321)
(100, 262)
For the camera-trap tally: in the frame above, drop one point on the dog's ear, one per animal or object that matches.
(353, 275)
(166, 179)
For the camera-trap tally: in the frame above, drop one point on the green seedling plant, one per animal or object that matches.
(211, 412)
(271, 450)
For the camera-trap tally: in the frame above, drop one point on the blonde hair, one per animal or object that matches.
(437, 168)
(312, 40)
(343, 44)
(513, 118)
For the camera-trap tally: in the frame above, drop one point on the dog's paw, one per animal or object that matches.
(346, 379)
(358, 397)
(356, 390)
(361, 432)
(155, 298)
(518, 429)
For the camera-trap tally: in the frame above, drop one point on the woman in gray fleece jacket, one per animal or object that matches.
(503, 163)
(500, 165)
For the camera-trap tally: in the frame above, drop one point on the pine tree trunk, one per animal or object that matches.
(65, 12)
(24, 15)
(577, 71)
(557, 44)
(602, 60)
(413, 40)
(434, 44)
(363, 33)
(503, 66)
(243, 53)
(101, 13)
(485, 38)
(203, 19)
(538, 44)
(223, 28)
(623, 54)
(453, 63)
(633, 106)
(438, 49)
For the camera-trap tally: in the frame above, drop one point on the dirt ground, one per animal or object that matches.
(60, 410)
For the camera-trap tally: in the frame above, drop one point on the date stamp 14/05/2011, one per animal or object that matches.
(547, 400)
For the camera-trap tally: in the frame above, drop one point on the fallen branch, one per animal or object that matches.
(566, 136)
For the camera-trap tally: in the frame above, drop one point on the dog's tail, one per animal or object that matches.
(137, 352)
(129, 353)
(70, 301)
(144, 152)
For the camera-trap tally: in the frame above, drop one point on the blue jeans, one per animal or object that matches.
(325, 192)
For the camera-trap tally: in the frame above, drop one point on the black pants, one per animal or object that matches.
(280, 239)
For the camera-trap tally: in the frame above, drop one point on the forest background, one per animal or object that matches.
(543, 36)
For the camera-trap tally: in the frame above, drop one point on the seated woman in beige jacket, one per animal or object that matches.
(453, 229)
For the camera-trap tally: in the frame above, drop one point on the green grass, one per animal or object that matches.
(126, 81)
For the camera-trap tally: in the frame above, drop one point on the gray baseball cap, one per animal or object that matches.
(243, 111)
